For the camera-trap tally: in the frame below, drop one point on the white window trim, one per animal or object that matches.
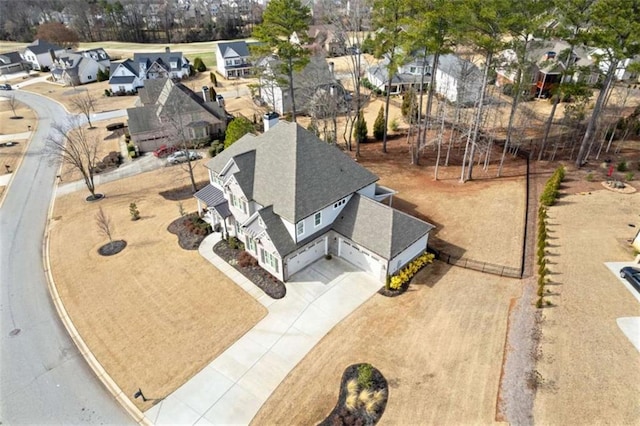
(300, 228)
(317, 219)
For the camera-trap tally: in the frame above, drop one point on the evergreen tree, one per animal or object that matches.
(237, 128)
(283, 22)
(360, 129)
(378, 125)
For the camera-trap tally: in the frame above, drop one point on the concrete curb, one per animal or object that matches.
(13, 173)
(95, 365)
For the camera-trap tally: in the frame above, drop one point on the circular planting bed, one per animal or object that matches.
(112, 247)
(363, 397)
(96, 197)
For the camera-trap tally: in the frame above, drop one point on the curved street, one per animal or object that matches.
(43, 377)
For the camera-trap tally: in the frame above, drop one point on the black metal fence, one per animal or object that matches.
(489, 268)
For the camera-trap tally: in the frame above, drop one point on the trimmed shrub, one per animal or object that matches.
(628, 176)
(365, 376)
(405, 274)
(360, 129)
(245, 260)
(622, 166)
(378, 125)
(199, 65)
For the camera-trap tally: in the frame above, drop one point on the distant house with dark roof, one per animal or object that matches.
(74, 68)
(170, 113)
(131, 74)
(292, 199)
(40, 54)
(11, 62)
(232, 59)
(457, 79)
(316, 80)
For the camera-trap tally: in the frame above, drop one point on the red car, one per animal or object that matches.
(164, 150)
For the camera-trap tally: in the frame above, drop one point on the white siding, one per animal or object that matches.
(368, 191)
(220, 62)
(328, 215)
(291, 228)
(408, 254)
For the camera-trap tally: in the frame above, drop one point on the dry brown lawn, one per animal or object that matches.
(440, 347)
(441, 344)
(12, 155)
(106, 142)
(590, 372)
(154, 314)
(65, 95)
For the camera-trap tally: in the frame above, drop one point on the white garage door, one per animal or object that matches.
(360, 258)
(310, 254)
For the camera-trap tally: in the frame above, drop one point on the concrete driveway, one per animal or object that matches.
(234, 386)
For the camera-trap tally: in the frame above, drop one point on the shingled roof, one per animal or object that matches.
(42, 46)
(380, 228)
(295, 172)
(228, 48)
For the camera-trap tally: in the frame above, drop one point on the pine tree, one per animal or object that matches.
(282, 21)
(360, 129)
(378, 125)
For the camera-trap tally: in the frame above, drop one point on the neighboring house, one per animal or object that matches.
(291, 199)
(408, 76)
(11, 62)
(457, 79)
(74, 68)
(622, 72)
(232, 59)
(549, 60)
(40, 54)
(327, 38)
(170, 113)
(131, 74)
(316, 80)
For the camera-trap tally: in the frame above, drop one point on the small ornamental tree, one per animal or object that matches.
(213, 78)
(103, 223)
(134, 212)
(409, 107)
(360, 129)
(378, 125)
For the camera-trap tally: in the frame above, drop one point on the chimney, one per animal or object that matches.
(167, 49)
(270, 119)
(205, 94)
(53, 55)
(331, 67)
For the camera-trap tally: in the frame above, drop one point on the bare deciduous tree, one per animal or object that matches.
(72, 144)
(103, 223)
(13, 104)
(84, 103)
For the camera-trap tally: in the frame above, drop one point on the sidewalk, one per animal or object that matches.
(232, 388)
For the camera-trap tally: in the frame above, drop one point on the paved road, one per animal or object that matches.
(43, 378)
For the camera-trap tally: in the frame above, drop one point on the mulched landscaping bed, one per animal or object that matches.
(341, 415)
(112, 247)
(189, 237)
(261, 278)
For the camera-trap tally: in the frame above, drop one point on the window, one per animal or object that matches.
(300, 228)
(269, 259)
(317, 219)
(251, 244)
(339, 203)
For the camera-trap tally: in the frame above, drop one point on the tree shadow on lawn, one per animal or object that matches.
(181, 193)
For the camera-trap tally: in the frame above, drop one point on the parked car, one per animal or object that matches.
(5, 87)
(181, 157)
(632, 275)
(164, 150)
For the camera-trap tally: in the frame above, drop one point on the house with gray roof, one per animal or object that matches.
(74, 68)
(11, 62)
(292, 199)
(40, 54)
(232, 59)
(170, 113)
(316, 81)
(131, 74)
